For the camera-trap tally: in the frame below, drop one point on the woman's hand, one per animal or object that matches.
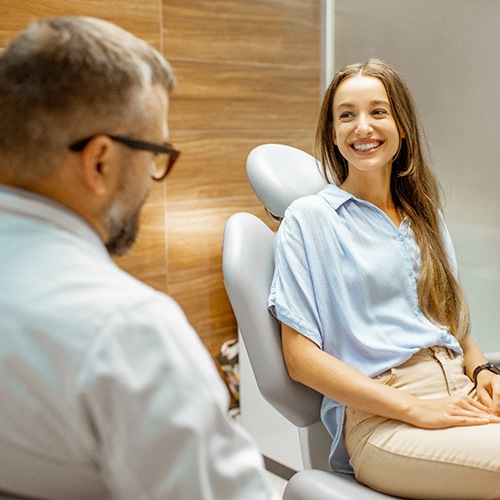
(311, 366)
(488, 390)
(452, 411)
(488, 384)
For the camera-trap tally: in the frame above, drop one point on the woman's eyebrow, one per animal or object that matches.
(378, 102)
(344, 105)
(350, 105)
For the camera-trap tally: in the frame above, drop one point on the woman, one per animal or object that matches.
(372, 312)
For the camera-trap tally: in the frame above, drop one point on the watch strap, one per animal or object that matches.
(486, 366)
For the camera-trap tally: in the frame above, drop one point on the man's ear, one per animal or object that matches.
(96, 164)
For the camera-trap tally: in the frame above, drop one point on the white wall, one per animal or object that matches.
(449, 51)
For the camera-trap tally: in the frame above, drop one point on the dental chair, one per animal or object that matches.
(279, 174)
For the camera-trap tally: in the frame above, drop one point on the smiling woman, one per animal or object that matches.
(373, 316)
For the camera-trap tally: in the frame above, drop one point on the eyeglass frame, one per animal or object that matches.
(137, 144)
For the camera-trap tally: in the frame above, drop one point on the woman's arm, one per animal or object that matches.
(308, 364)
(488, 384)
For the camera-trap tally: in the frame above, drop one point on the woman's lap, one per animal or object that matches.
(402, 460)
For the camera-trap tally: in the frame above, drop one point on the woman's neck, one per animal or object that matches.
(375, 190)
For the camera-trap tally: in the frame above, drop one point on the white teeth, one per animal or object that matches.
(366, 147)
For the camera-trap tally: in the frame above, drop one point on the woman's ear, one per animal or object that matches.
(334, 136)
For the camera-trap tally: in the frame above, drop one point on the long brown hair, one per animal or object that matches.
(415, 192)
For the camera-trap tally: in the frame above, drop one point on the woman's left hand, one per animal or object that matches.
(488, 390)
(488, 384)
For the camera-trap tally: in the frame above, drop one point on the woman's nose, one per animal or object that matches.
(363, 125)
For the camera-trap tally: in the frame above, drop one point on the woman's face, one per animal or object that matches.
(364, 128)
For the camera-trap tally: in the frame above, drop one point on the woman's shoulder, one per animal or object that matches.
(330, 197)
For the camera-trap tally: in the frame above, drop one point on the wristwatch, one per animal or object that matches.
(487, 366)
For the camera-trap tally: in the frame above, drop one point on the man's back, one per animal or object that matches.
(110, 392)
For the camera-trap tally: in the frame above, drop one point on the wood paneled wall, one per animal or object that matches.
(248, 73)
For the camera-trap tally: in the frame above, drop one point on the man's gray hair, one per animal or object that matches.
(67, 78)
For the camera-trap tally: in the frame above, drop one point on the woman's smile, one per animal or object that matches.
(364, 147)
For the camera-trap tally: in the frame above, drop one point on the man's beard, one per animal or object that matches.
(122, 233)
(122, 229)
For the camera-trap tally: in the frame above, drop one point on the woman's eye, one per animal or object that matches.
(345, 115)
(380, 112)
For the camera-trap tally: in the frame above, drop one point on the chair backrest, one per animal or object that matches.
(279, 174)
(248, 267)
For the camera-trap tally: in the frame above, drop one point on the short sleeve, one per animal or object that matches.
(292, 298)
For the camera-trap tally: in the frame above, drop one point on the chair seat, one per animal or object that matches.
(321, 485)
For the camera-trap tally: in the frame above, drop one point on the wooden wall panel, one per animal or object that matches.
(228, 96)
(143, 18)
(195, 259)
(196, 231)
(248, 73)
(283, 32)
(213, 163)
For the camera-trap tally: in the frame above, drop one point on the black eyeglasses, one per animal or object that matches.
(165, 155)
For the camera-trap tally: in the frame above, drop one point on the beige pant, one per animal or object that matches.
(402, 460)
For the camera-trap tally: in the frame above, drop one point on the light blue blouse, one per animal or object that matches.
(346, 278)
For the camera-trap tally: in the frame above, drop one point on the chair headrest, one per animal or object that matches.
(279, 174)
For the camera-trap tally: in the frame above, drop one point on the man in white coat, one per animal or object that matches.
(105, 389)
